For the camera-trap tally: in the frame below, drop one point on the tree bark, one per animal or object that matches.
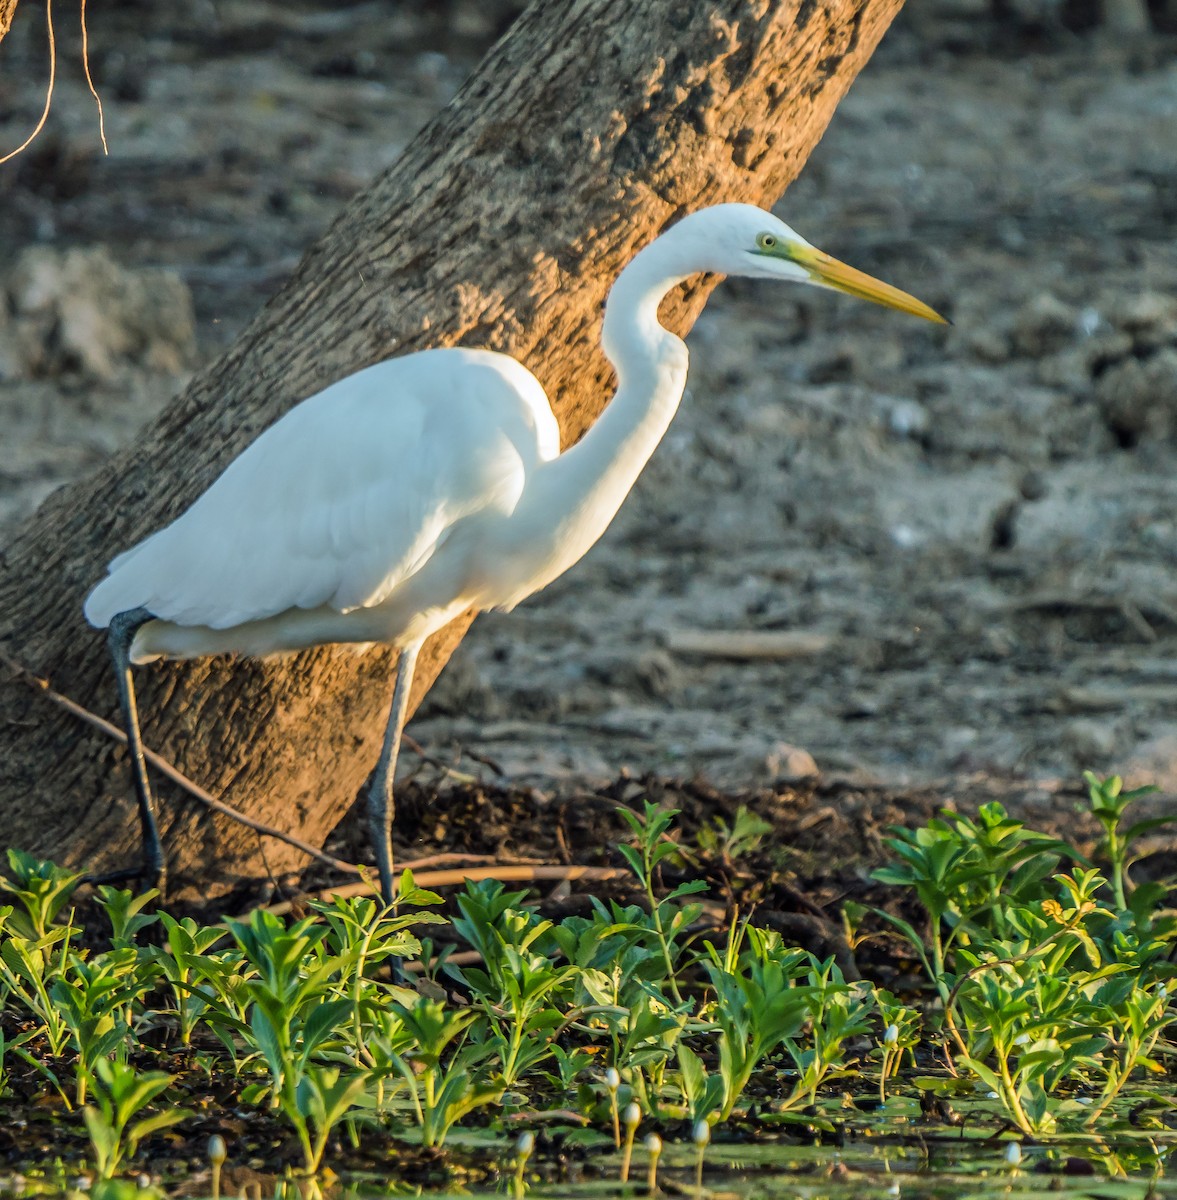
(7, 12)
(587, 129)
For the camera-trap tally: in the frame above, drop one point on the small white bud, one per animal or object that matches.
(653, 1144)
(991, 1095)
(612, 1079)
(1013, 1154)
(525, 1143)
(216, 1149)
(701, 1134)
(1023, 1039)
(632, 1116)
(891, 1036)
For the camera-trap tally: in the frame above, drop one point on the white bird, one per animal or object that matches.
(382, 507)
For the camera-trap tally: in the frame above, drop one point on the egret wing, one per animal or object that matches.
(345, 496)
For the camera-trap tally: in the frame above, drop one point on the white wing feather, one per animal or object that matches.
(345, 497)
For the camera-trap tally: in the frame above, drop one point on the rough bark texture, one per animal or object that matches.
(587, 129)
(7, 12)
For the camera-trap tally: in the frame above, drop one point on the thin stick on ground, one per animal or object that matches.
(450, 771)
(520, 871)
(506, 872)
(165, 768)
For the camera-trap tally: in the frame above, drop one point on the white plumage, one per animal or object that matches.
(342, 500)
(380, 508)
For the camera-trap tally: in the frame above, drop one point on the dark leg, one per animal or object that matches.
(119, 637)
(381, 805)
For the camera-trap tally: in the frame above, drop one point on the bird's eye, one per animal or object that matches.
(766, 241)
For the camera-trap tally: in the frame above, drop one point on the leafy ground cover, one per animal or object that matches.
(665, 1034)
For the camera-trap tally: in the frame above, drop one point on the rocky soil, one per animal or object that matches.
(895, 552)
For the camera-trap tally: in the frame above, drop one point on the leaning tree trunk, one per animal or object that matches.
(7, 12)
(586, 130)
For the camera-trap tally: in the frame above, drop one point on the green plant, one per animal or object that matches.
(121, 1094)
(901, 1035)
(442, 1094)
(1134, 1015)
(645, 1033)
(729, 842)
(1029, 1025)
(93, 998)
(519, 980)
(363, 935)
(670, 922)
(124, 911)
(1060, 999)
(323, 1097)
(756, 1009)
(34, 955)
(42, 890)
(570, 1065)
(183, 960)
(1108, 802)
(703, 1093)
(836, 1012)
(291, 1020)
(1042, 978)
(1054, 993)
(29, 968)
(966, 874)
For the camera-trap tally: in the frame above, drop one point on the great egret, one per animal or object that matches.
(390, 502)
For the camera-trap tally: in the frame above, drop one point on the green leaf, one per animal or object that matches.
(985, 1074)
(1134, 831)
(322, 1023)
(634, 859)
(153, 1124)
(268, 1042)
(407, 892)
(688, 889)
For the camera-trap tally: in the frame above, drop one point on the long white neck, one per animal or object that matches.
(570, 501)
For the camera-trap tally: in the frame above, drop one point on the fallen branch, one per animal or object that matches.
(747, 643)
(165, 768)
(507, 873)
(463, 958)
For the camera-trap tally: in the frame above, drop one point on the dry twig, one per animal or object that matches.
(165, 768)
(507, 872)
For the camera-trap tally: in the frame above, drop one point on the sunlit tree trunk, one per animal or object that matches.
(589, 126)
(7, 12)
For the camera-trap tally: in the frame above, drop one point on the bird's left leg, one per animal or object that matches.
(381, 806)
(120, 635)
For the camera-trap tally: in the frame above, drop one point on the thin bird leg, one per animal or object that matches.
(119, 638)
(381, 805)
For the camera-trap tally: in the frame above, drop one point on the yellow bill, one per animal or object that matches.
(834, 274)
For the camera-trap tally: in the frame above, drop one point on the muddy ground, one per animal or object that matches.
(973, 529)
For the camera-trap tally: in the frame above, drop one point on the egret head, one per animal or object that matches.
(746, 240)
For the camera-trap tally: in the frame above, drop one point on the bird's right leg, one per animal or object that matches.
(120, 635)
(381, 806)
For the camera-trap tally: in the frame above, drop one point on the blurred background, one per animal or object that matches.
(880, 549)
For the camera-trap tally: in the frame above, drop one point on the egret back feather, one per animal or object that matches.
(344, 498)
